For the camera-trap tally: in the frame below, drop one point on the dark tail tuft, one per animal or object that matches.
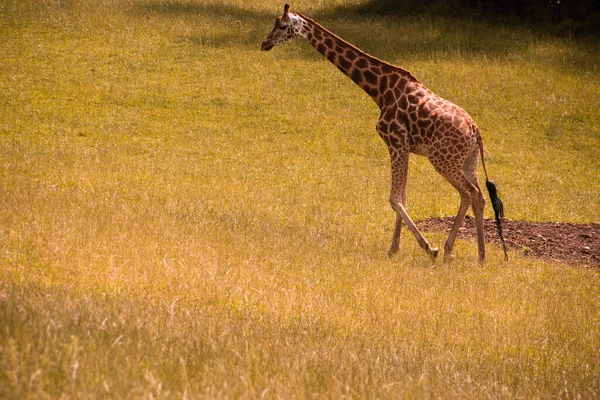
(496, 202)
(498, 211)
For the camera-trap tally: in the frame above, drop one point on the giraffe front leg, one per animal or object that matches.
(399, 160)
(395, 246)
(399, 163)
(403, 215)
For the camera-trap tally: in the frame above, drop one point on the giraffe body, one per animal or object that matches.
(413, 119)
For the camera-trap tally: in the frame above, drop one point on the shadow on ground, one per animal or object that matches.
(381, 35)
(398, 35)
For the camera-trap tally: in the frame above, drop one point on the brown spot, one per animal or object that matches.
(439, 102)
(382, 126)
(318, 34)
(395, 126)
(383, 83)
(376, 70)
(362, 63)
(350, 55)
(329, 43)
(339, 50)
(403, 102)
(412, 113)
(356, 76)
(371, 91)
(370, 77)
(321, 48)
(388, 97)
(389, 115)
(402, 84)
(386, 69)
(424, 123)
(345, 64)
(424, 112)
(394, 141)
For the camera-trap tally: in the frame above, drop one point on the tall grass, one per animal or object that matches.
(184, 216)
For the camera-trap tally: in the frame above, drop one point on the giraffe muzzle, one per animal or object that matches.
(266, 46)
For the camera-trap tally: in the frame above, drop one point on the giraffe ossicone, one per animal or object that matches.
(413, 119)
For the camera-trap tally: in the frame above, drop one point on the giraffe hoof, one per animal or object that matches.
(392, 251)
(448, 257)
(433, 252)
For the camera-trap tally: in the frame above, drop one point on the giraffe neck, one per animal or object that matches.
(374, 76)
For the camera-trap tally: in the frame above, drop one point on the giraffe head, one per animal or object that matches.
(286, 28)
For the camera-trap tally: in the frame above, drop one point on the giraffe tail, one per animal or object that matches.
(497, 204)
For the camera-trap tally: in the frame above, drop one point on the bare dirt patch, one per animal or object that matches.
(561, 241)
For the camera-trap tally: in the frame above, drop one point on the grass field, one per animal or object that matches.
(183, 216)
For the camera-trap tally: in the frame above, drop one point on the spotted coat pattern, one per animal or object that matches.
(413, 119)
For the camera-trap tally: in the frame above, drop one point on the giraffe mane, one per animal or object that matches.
(376, 60)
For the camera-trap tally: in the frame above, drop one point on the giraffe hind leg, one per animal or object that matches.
(474, 198)
(395, 246)
(477, 202)
(477, 199)
(478, 205)
(465, 202)
(465, 181)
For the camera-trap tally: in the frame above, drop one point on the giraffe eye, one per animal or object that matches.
(284, 27)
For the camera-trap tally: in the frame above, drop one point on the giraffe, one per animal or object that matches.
(413, 119)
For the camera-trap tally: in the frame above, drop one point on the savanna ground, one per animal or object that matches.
(183, 216)
(564, 241)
